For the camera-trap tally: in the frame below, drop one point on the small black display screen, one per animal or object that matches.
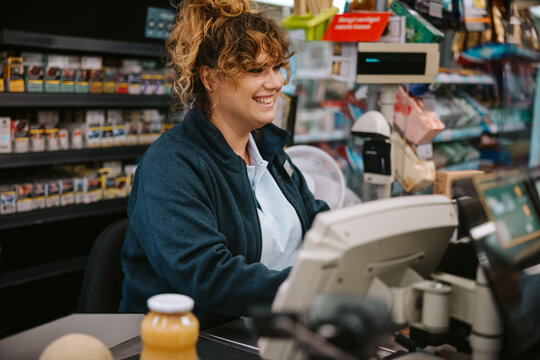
(383, 63)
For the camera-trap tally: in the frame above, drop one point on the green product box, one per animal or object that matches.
(34, 64)
(417, 29)
(69, 74)
(81, 81)
(53, 73)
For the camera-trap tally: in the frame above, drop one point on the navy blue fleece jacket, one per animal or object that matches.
(194, 227)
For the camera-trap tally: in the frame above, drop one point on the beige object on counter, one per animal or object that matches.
(76, 346)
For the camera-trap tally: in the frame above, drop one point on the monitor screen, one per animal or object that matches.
(397, 241)
(508, 248)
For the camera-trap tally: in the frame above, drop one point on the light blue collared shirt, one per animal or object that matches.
(280, 225)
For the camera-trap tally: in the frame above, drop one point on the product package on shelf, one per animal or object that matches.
(413, 173)
(8, 199)
(51, 137)
(21, 140)
(63, 138)
(95, 76)
(92, 188)
(14, 74)
(34, 64)
(53, 73)
(67, 196)
(37, 138)
(94, 123)
(38, 195)
(110, 78)
(133, 69)
(52, 190)
(418, 29)
(70, 69)
(5, 135)
(418, 124)
(24, 197)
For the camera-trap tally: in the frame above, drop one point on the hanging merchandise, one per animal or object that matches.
(475, 15)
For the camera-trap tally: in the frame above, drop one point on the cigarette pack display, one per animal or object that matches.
(92, 189)
(133, 132)
(21, 143)
(51, 136)
(34, 64)
(95, 77)
(8, 199)
(121, 185)
(63, 139)
(69, 73)
(94, 122)
(77, 136)
(155, 130)
(37, 138)
(145, 136)
(110, 75)
(107, 134)
(24, 197)
(133, 69)
(53, 73)
(14, 74)
(38, 195)
(5, 134)
(122, 82)
(78, 189)
(110, 190)
(82, 79)
(159, 83)
(67, 195)
(53, 193)
(169, 78)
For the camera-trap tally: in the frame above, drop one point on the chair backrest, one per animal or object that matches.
(101, 287)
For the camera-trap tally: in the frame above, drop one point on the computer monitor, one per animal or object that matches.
(508, 248)
(396, 240)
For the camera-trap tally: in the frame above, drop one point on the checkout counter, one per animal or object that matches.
(388, 249)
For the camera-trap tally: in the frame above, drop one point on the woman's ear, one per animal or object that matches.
(206, 77)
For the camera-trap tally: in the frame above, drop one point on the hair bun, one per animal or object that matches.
(228, 8)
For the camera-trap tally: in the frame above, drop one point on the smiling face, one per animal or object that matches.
(250, 104)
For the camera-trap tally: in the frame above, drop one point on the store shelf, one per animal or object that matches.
(40, 272)
(503, 129)
(335, 135)
(8, 161)
(448, 135)
(44, 216)
(55, 100)
(53, 42)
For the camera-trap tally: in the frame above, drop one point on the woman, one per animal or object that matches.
(217, 210)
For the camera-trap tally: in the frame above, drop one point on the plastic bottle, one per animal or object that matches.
(169, 330)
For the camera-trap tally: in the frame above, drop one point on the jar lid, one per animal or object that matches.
(170, 303)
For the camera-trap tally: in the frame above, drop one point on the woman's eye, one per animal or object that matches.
(277, 68)
(255, 71)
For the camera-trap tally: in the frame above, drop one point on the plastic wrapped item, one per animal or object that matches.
(413, 174)
(418, 124)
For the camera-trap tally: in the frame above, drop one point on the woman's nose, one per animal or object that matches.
(274, 79)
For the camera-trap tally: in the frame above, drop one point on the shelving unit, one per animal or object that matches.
(56, 100)
(48, 248)
(9, 161)
(61, 43)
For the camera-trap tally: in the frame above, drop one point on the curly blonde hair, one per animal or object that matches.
(225, 35)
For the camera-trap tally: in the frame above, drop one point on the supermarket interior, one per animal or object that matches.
(417, 122)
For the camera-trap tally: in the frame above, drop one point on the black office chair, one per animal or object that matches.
(101, 287)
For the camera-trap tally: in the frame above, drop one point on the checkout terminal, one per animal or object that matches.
(390, 250)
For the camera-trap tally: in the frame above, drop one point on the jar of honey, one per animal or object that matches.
(169, 330)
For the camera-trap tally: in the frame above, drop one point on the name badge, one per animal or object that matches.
(288, 168)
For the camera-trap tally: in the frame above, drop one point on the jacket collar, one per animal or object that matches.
(270, 139)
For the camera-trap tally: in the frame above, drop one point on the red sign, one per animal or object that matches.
(365, 26)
